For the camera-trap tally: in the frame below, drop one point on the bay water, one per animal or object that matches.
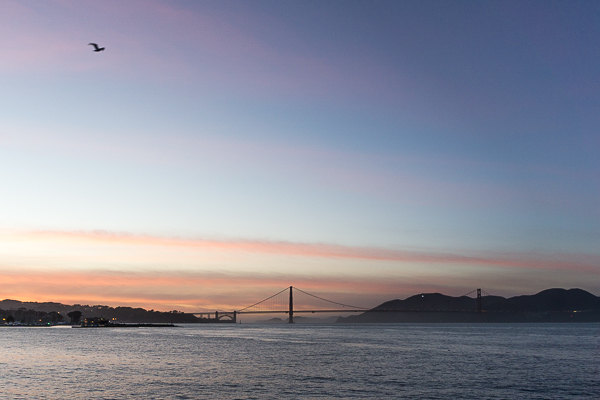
(253, 361)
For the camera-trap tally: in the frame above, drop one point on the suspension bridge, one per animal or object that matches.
(292, 300)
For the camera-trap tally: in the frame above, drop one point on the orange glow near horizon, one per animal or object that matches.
(196, 292)
(185, 291)
(199, 275)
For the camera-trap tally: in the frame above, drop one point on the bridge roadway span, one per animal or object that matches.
(231, 316)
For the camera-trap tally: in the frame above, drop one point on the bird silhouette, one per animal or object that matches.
(97, 49)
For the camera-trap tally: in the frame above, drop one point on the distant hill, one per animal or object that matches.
(438, 301)
(18, 310)
(551, 305)
(550, 300)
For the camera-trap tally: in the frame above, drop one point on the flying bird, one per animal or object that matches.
(97, 49)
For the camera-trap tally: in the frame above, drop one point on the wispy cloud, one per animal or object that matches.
(204, 288)
(398, 178)
(188, 290)
(526, 260)
(210, 291)
(193, 42)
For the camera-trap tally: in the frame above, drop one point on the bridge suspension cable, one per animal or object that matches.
(283, 302)
(330, 301)
(263, 301)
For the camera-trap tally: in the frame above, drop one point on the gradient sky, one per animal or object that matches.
(218, 152)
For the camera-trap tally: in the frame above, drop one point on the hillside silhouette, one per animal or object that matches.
(437, 301)
(550, 300)
(551, 305)
(26, 312)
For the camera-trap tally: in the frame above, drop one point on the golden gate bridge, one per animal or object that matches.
(284, 302)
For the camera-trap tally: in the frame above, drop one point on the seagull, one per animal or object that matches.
(96, 47)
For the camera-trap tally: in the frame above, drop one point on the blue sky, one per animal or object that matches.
(464, 131)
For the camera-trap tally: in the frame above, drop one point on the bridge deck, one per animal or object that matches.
(339, 311)
(284, 302)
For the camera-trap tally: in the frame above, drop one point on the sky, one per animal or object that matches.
(218, 152)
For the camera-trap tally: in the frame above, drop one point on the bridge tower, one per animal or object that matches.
(479, 307)
(291, 309)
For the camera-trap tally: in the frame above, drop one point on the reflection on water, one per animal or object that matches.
(545, 361)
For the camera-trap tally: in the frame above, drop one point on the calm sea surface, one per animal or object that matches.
(428, 361)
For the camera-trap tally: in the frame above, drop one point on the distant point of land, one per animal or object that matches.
(551, 305)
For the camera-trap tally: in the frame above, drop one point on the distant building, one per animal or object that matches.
(95, 321)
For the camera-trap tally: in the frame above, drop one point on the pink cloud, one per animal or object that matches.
(374, 175)
(190, 291)
(232, 58)
(214, 50)
(202, 291)
(54, 40)
(567, 262)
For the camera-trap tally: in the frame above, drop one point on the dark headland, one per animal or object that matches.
(551, 305)
(49, 313)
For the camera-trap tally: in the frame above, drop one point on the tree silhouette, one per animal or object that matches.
(75, 317)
